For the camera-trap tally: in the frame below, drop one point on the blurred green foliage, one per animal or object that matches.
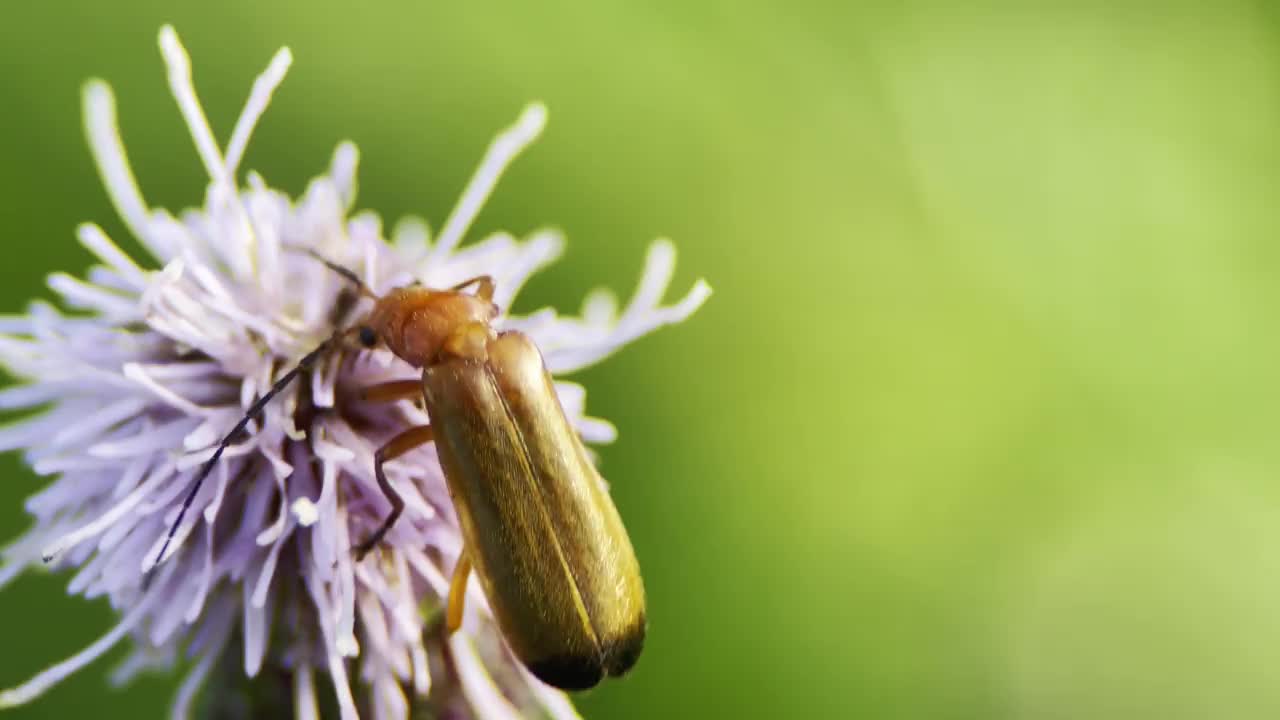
(980, 421)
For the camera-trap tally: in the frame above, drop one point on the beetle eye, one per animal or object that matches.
(368, 337)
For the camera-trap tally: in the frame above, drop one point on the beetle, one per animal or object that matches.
(539, 530)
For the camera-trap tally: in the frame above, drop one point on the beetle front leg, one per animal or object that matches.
(395, 447)
(457, 594)
(392, 391)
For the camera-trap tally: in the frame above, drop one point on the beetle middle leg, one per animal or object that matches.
(395, 447)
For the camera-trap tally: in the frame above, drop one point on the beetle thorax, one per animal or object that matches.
(416, 322)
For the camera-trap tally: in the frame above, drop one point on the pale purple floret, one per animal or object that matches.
(149, 368)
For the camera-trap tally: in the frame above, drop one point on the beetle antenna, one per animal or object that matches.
(346, 273)
(304, 364)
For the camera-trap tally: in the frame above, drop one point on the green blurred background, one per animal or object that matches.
(980, 422)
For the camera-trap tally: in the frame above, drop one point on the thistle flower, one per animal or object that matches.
(153, 366)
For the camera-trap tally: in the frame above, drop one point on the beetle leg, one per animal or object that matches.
(395, 447)
(483, 283)
(391, 391)
(457, 594)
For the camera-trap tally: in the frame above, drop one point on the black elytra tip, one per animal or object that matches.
(622, 655)
(583, 672)
(568, 672)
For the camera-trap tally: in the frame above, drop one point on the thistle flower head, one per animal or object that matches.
(154, 360)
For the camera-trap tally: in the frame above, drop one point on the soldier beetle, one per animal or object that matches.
(539, 530)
